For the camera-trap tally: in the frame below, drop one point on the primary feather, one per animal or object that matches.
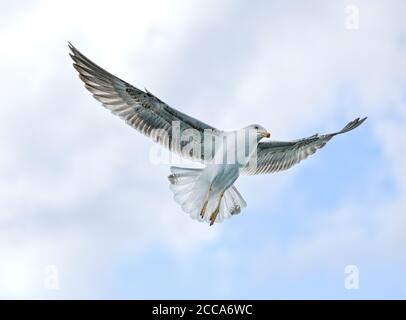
(275, 156)
(141, 110)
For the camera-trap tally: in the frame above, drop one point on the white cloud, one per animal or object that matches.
(77, 188)
(72, 194)
(371, 62)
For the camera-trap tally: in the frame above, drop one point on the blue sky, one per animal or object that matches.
(79, 194)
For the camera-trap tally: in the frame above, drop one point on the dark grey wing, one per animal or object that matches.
(141, 110)
(275, 156)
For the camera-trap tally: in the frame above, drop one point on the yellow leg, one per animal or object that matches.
(216, 211)
(203, 210)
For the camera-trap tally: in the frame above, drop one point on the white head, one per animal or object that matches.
(260, 131)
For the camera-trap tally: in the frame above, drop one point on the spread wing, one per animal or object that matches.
(275, 156)
(141, 110)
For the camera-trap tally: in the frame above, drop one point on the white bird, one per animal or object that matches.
(206, 194)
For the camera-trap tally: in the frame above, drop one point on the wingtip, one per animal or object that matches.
(360, 121)
(73, 48)
(74, 53)
(357, 122)
(352, 125)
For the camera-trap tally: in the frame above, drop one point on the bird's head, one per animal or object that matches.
(260, 131)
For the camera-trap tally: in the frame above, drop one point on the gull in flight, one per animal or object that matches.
(206, 194)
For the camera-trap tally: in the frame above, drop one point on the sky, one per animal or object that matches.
(84, 213)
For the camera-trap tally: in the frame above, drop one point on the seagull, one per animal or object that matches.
(207, 194)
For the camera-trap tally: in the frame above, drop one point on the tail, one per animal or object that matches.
(190, 190)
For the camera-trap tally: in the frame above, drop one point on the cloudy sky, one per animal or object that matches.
(85, 214)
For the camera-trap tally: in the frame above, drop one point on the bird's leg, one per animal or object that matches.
(216, 211)
(203, 210)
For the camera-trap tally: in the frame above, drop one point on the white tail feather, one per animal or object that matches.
(190, 191)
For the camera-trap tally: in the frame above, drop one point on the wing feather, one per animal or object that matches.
(275, 156)
(141, 110)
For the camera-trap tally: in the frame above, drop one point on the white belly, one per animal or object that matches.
(220, 176)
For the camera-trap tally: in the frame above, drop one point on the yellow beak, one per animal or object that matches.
(265, 134)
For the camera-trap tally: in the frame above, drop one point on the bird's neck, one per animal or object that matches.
(247, 143)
